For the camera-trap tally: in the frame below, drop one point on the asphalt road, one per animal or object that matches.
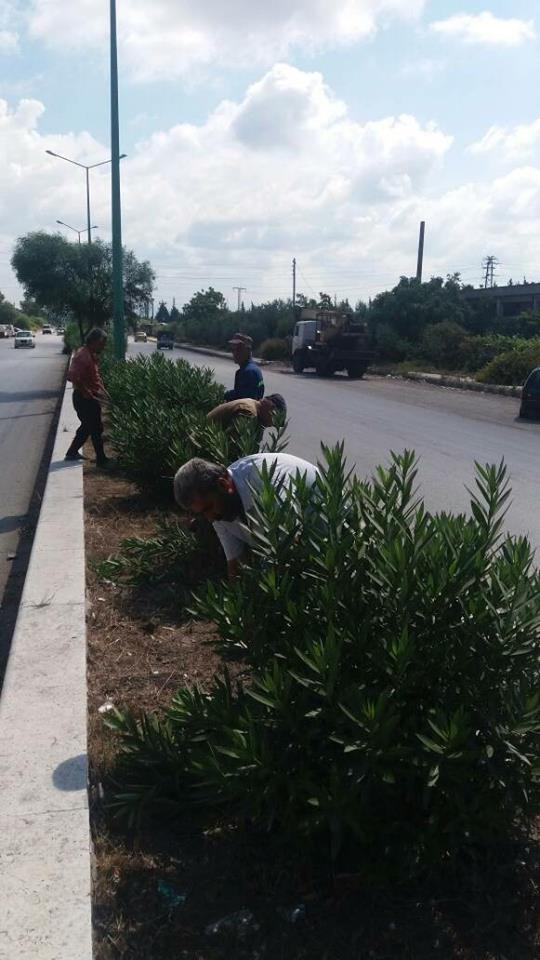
(448, 429)
(30, 383)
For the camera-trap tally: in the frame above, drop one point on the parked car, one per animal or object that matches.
(60, 331)
(165, 340)
(140, 336)
(530, 396)
(23, 339)
(47, 330)
(3, 330)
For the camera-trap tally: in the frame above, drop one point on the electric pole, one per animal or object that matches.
(488, 266)
(293, 283)
(420, 260)
(240, 291)
(117, 282)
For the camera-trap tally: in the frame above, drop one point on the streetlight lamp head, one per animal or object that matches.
(122, 155)
(51, 152)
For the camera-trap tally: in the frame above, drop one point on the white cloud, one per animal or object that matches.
(515, 143)
(168, 38)
(485, 29)
(231, 200)
(9, 41)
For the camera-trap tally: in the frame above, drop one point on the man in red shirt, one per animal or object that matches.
(88, 392)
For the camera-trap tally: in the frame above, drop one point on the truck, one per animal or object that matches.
(328, 341)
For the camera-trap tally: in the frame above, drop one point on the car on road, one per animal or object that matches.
(140, 336)
(530, 396)
(7, 330)
(23, 339)
(165, 340)
(47, 330)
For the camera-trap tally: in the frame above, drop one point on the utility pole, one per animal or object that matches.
(240, 291)
(488, 266)
(293, 283)
(420, 260)
(117, 281)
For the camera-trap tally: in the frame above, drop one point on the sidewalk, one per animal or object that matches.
(44, 827)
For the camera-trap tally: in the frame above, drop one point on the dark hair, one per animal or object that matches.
(278, 402)
(96, 334)
(194, 478)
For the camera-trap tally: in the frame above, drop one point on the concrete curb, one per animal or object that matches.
(461, 383)
(210, 352)
(44, 823)
(465, 383)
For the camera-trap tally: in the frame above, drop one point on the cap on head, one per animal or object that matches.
(242, 339)
(278, 402)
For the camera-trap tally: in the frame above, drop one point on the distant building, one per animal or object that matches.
(509, 301)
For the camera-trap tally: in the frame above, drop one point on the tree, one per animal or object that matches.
(75, 280)
(206, 319)
(176, 316)
(162, 315)
(31, 308)
(411, 306)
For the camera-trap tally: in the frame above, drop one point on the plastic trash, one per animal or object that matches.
(106, 707)
(174, 897)
(240, 923)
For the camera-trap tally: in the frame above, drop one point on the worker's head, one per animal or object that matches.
(96, 340)
(207, 489)
(241, 346)
(270, 406)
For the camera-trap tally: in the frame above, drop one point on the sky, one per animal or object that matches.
(256, 132)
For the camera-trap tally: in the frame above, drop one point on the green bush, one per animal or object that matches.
(393, 705)
(478, 351)
(442, 344)
(176, 556)
(274, 349)
(158, 420)
(72, 338)
(512, 367)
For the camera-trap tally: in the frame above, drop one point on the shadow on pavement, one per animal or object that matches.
(28, 395)
(13, 522)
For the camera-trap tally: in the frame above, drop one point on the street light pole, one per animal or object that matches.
(78, 232)
(88, 227)
(118, 291)
(86, 167)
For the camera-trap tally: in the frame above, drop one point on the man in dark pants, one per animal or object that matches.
(248, 381)
(88, 392)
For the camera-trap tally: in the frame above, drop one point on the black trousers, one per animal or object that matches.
(89, 413)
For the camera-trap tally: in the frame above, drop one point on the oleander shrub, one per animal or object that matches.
(392, 706)
(176, 556)
(158, 421)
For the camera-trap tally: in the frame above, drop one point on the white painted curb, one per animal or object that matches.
(44, 823)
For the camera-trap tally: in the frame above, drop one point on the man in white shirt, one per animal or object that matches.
(224, 495)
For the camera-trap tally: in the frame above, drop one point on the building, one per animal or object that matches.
(509, 301)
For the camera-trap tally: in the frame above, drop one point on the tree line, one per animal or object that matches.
(431, 322)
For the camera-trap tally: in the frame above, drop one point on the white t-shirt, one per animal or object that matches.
(234, 535)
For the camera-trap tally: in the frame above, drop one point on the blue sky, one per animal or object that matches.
(215, 185)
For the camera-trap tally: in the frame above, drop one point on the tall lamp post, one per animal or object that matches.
(118, 290)
(78, 232)
(86, 167)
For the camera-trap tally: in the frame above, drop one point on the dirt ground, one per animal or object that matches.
(160, 894)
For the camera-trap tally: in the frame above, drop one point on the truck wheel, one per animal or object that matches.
(355, 371)
(298, 362)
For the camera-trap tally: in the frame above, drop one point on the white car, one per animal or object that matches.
(24, 339)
